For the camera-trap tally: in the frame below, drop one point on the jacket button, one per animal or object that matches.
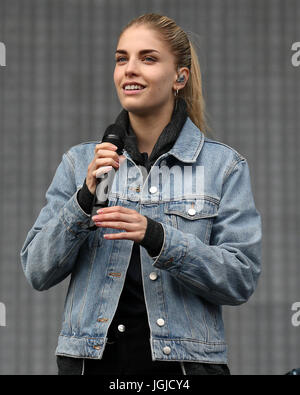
(192, 211)
(153, 190)
(160, 322)
(153, 276)
(121, 328)
(97, 347)
(167, 350)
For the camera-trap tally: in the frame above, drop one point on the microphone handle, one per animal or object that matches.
(104, 184)
(115, 135)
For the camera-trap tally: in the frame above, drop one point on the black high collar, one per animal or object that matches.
(165, 141)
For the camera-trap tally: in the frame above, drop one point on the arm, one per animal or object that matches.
(227, 270)
(52, 245)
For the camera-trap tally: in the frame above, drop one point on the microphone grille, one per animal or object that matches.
(115, 134)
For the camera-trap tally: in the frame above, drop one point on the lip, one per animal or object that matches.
(132, 92)
(131, 83)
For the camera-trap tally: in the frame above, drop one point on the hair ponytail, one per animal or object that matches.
(193, 94)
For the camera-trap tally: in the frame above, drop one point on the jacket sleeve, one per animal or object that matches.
(226, 271)
(52, 245)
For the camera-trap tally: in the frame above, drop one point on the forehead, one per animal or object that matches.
(137, 38)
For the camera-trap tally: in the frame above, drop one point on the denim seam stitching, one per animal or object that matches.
(153, 339)
(231, 168)
(92, 260)
(71, 306)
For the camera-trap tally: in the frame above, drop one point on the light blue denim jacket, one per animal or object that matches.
(210, 255)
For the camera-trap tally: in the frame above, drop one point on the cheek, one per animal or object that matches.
(117, 77)
(164, 85)
(160, 81)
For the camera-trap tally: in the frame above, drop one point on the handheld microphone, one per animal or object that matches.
(114, 134)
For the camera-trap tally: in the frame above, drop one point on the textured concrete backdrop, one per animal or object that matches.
(56, 91)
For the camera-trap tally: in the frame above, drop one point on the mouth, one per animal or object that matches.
(132, 89)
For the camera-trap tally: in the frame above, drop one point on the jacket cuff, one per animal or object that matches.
(85, 199)
(154, 237)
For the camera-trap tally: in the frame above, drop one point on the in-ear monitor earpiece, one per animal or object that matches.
(181, 78)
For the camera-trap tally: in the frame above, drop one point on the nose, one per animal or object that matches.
(131, 67)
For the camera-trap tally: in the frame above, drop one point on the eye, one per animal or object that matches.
(149, 59)
(120, 59)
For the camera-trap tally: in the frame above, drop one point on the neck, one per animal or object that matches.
(148, 128)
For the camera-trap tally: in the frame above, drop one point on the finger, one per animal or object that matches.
(106, 162)
(102, 170)
(109, 146)
(117, 216)
(120, 236)
(117, 225)
(102, 165)
(104, 153)
(119, 209)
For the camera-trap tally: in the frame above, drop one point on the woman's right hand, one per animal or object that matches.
(105, 155)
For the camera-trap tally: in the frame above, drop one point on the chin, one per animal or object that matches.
(138, 109)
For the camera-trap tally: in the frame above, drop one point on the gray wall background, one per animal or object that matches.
(57, 90)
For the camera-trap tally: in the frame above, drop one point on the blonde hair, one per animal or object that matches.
(185, 56)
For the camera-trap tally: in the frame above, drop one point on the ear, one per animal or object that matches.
(182, 77)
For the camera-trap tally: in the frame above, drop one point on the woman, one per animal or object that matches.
(147, 287)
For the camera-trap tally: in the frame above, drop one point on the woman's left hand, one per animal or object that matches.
(132, 223)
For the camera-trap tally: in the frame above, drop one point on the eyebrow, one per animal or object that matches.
(142, 52)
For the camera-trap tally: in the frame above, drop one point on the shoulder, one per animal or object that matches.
(220, 159)
(207, 148)
(76, 160)
(223, 150)
(82, 147)
(81, 153)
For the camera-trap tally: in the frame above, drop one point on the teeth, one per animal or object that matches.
(133, 87)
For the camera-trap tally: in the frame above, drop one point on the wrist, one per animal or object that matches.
(85, 198)
(154, 237)
(91, 186)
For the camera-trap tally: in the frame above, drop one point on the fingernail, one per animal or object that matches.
(100, 211)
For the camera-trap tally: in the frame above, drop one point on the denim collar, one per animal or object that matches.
(180, 138)
(189, 143)
(165, 141)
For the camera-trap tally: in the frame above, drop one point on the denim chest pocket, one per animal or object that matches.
(192, 216)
